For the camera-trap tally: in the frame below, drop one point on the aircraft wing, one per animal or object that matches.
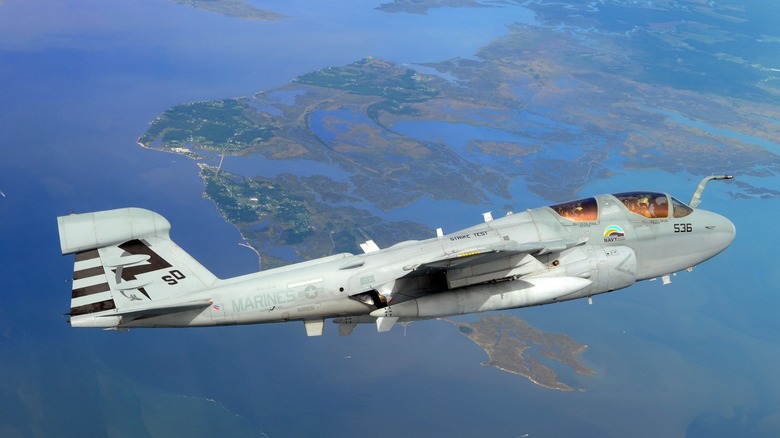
(468, 266)
(453, 271)
(480, 255)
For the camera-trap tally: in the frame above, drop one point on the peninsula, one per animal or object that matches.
(515, 347)
(582, 94)
(232, 8)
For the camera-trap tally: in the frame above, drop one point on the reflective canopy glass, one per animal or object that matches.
(680, 209)
(647, 204)
(581, 210)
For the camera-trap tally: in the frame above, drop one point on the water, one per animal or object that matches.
(80, 81)
(720, 132)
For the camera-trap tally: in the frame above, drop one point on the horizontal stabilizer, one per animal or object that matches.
(83, 232)
(130, 285)
(126, 260)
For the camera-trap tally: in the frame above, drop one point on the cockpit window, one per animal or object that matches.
(680, 209)
(582, 210)
(647, 204)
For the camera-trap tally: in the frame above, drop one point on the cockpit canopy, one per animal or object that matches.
(650, 205)
(680, 208)
(581, 210)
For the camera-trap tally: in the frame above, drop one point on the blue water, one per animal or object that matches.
(456, 135)
(432, 71)
(720, 132)
(285, 97)
(329, 124)
(81, 80)
(767, 119)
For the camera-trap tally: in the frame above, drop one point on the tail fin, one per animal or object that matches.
(127, 266)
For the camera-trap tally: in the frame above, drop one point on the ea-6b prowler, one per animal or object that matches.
(128, 273)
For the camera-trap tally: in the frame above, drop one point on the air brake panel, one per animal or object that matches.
(618, 267)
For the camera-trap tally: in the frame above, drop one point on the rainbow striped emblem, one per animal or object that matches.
(614, 231)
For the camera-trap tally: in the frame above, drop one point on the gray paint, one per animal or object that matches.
(526, 259)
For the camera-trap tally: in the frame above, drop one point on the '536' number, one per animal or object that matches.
(683, 228)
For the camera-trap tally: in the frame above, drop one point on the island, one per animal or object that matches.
(749, 191)
(422, 6)
(232, 8)
(515, 347)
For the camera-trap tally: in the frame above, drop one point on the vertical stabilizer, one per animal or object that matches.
(127, 266)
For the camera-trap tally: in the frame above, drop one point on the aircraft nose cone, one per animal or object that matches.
(732, 230)
(722, 233)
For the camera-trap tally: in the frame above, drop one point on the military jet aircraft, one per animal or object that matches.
(128, 273)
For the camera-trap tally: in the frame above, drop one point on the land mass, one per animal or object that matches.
(515, 347)
(590, 90)
(232, 8)
(308, 215)
(423, 6)
(556, 105)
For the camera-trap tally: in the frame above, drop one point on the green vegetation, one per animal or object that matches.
(243, 201)
(373, 77)
(288, 212)
(227, 125)
(390, 107)
(515, 347)
(569, 110)
(219, 190)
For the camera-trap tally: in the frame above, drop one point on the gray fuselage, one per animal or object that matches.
(612, 248)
